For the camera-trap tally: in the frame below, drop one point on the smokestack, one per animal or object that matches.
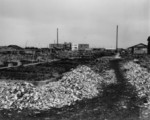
(117, 39)
(117, 56)
(57, 36)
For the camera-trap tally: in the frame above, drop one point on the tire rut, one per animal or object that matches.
(122, 93)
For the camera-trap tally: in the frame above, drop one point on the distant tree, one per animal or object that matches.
(148, 47)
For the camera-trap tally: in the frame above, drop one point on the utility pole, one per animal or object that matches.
(148, 47)
(57, 36)
(117, 39)
(117, 56)
(26, 44)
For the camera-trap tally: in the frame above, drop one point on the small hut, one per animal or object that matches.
(138, 49)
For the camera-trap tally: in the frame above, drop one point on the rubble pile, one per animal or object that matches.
(75, 85)
(109, 77)
(100, 65)
(15, 94)
(138, 77)
(78, 84)
(144, 61)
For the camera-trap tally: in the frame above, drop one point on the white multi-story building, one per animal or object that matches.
(74, 47)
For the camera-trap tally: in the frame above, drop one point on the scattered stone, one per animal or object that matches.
(140, 78)
(76, 85)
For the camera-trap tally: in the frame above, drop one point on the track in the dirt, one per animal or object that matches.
(122, 92)
(118, 102)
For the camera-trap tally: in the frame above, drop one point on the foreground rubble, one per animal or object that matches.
(137, 76)
(75, 85)
(140, 78)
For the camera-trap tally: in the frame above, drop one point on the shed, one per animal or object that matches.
(138, 49)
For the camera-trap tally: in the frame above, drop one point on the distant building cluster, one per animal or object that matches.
(14, 54)
(69, 46)
(65, 46)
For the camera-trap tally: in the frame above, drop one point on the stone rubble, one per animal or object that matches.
(109, 77)
(78, 84)
(140, 78)
(137, 76)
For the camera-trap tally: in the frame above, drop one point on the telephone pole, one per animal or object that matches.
(117, 39)
(117, 56)
(57, 36)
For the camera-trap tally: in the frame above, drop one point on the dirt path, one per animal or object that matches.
(120, 99)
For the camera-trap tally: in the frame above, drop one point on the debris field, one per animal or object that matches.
(120, 88)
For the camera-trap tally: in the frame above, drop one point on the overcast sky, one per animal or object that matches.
(34, 22)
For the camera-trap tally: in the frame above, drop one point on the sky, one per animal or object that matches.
(34, 22)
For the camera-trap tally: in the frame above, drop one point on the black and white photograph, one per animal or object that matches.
(74, 60)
